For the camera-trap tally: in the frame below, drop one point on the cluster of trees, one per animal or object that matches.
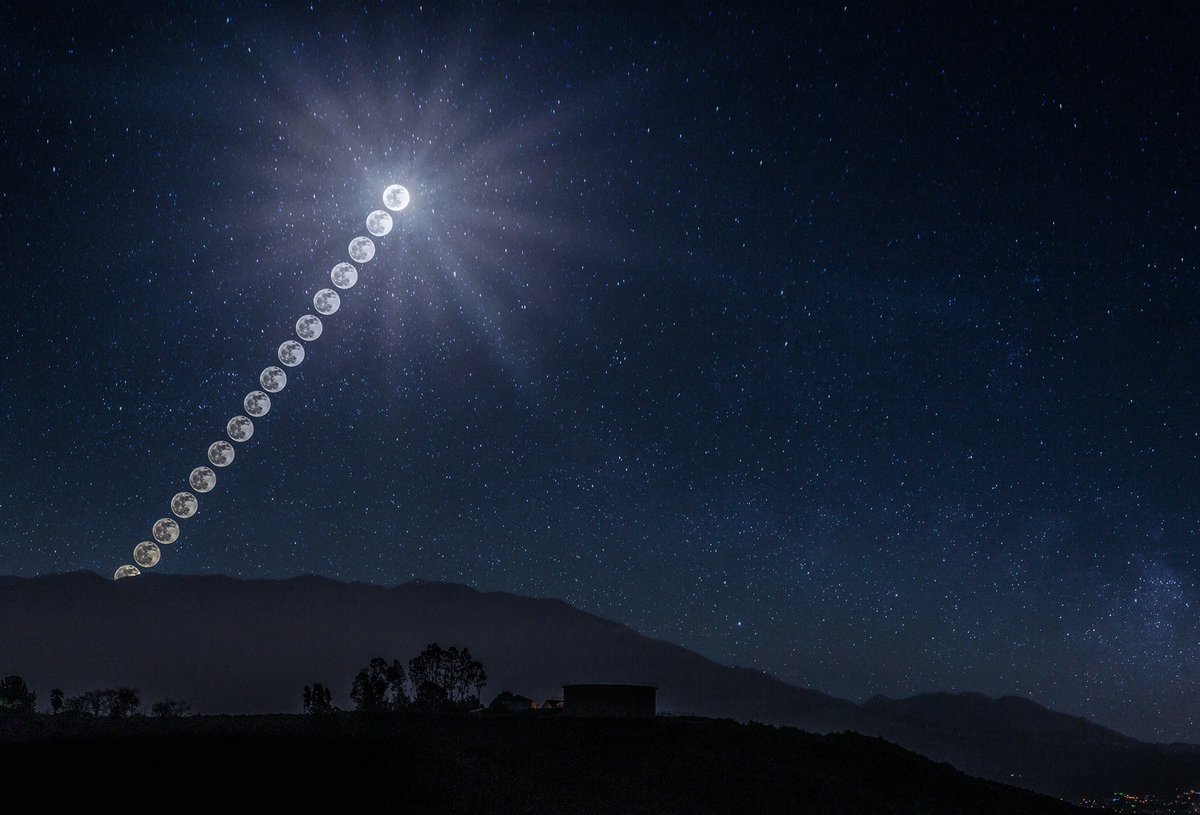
(114, 703)
(437, 679)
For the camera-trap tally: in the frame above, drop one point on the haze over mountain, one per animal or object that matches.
(249, 646)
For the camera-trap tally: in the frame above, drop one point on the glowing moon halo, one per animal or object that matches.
(395, 198)
(362, 249)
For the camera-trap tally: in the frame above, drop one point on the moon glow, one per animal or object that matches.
(126, 571)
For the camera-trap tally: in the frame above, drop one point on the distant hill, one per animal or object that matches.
(467, 764)
(249, 646)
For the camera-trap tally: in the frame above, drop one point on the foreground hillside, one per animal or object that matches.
(516, 764)
(250, 646)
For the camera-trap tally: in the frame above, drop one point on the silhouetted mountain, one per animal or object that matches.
(249, 646)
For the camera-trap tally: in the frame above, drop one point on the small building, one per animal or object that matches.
(610, 701)
(552, 704)
(508, 702)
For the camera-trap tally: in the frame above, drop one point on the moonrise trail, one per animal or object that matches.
(291, 353)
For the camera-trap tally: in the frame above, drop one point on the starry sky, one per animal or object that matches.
(858, 344)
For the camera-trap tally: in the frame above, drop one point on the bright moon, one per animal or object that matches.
(344, 275)
(165, 530)
(240, 428)
(184, 505)
(272, 379)
(291, 353)
(146, 554)
(379, 223)
(395, 198)
(126, 571)
(220, 453)
(362, 249)
(257, 403)
(202, 479)
(326, 301)
(309, 327)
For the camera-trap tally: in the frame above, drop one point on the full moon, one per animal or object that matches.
(379, 223)
(202, 479)
(147, 554)
(127, 570)
(184, 505)
(272, 379)
(326, 301)
(220, 453)
(309, 327)
(362, 249)
(165, 530)
(395, 198)
(240, 428)
(344, 275)
(291, 353)
(257, 403)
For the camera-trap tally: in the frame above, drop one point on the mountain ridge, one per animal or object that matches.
(234, 645)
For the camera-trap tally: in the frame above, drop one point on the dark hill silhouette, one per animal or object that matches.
(493, 764)
(249, 646)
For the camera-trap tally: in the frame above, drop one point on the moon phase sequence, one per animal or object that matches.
(272, 380)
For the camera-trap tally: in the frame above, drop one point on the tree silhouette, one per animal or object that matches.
(116, 703)
(56, 700)
(123, 703)
(170, 709)
(379, 687)
(15, 696)
(444, 679)
(317, 699)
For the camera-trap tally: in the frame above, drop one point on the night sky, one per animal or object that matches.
(857, 344)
